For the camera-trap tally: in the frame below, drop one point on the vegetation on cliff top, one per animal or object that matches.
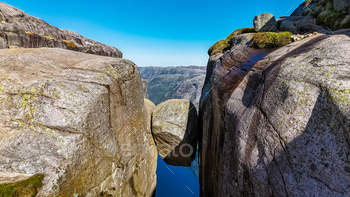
(23, 188)
(326, 16)
(223, 45)
(271, 40)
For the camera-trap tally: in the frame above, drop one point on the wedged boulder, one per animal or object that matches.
(78, 119)
(21, 30)
(174, 127)
(265, 22)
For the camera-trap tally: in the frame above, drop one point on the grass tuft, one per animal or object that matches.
(271, 40)
(26, 188)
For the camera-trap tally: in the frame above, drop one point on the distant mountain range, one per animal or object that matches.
(180, 82)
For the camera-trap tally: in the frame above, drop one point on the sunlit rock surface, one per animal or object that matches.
(79, 119)
(18, 29)
(277, 125)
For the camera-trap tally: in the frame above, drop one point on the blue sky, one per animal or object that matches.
(155, 33)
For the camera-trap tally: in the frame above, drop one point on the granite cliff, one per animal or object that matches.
(72, 123)
(18, 29)
(275, 121)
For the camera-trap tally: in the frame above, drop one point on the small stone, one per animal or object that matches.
(314, 167)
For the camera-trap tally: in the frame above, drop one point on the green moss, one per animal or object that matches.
(23, 188)
(271, 40)
(326, 16)
(222, 45)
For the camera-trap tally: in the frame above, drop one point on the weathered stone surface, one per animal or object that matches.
(76, 118)
(282, 127)
(342, 6)
(302, 10)
(19, 29)
(300, 24)
(265, 22)
(174, 127)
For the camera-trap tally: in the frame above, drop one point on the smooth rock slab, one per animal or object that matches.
(174, 127)
(265, 22)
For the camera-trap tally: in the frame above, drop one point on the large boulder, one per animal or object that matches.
(174, 127)
(18, 29)
(282, 127)
(265, 22)
(78, 119)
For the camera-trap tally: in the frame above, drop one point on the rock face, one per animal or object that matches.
(301, 24)
(18, 29)
(302, 9)
(77, 118)
(174, 127)
(342, 6)
(279, 126)
(265, 22)
(181, 82)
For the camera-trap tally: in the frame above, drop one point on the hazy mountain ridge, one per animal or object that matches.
(180, 82)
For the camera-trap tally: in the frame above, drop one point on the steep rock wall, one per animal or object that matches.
(278, 126)
(77, 118)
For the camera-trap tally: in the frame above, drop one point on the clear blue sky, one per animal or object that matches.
(155, 33)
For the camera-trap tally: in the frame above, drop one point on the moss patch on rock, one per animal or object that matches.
(326, 16)
(271, 39)
(27, 188)
(222, 45)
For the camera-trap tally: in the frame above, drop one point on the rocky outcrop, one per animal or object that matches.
(330, 15)
(18, 29)
(265, 22)
(174, 127)
(78, 119)
(342, 6)
(303, 9)
(276, 123)
(180, 82)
